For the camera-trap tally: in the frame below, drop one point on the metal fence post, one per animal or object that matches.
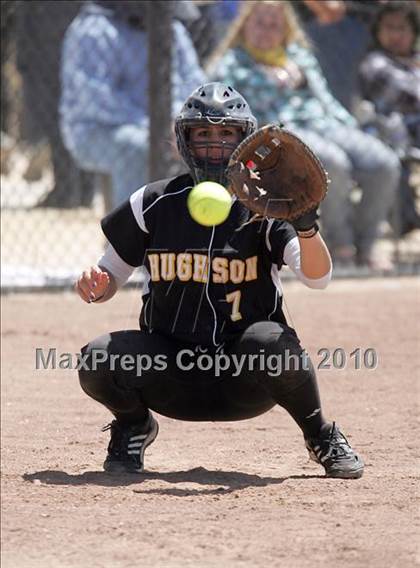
(160, 99)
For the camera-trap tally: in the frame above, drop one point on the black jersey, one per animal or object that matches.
(204, 284)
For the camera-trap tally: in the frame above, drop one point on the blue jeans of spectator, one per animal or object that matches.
(120, 151)
(350, 155)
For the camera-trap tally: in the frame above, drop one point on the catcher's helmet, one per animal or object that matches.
(211, 104)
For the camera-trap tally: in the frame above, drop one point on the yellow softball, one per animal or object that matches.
(209, 203)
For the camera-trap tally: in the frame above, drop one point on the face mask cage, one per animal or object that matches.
(207, 161)
(210, 159)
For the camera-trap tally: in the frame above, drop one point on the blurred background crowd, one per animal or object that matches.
(81, 90)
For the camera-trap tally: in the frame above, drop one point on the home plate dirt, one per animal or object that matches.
(234, 494)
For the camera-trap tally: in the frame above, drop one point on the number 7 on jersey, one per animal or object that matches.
(234, 298)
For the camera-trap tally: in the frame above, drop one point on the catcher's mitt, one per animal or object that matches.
(277, 175)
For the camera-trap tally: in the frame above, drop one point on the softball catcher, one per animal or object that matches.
(213, 342)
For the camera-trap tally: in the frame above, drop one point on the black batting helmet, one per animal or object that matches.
(211, 104)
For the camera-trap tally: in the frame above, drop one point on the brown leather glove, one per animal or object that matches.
(275, 174)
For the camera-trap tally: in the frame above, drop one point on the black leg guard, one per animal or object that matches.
(288, 376)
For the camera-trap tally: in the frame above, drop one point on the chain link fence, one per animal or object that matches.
(56, 179)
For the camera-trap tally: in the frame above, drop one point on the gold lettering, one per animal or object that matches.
(154, 267)
(167, 265)
(220, 270)
(184, 266)
(200, 268)
(234, 298)
(237, 271)
(251, 268)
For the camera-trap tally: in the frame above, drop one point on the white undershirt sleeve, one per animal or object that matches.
(112, 262)
(291, 257)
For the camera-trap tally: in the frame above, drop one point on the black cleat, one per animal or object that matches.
(335, 454)
(127, 445)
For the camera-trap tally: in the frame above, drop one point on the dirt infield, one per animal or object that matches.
(237, 494)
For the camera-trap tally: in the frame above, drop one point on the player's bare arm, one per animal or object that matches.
(315, 259)
(96, 284)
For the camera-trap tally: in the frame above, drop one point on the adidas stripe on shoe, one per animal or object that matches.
(334, 453)
(127, 445)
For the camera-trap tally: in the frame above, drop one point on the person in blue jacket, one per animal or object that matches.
(104, 102)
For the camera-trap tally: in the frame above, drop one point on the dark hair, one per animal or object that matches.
(408, 8)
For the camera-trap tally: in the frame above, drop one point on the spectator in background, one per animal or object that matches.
(339, 33)
(105, 98)
(390, 80)
(266, 57)
(390, 73)
(40, 29)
